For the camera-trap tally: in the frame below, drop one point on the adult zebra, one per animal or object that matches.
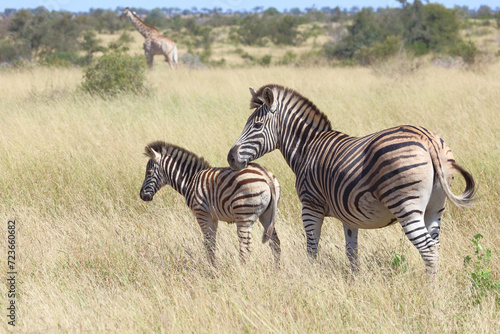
(215, 194)
(399, 174)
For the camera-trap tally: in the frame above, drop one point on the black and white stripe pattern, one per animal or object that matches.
(215, 194)
(399, 174)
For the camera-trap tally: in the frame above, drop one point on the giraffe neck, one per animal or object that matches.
(145, 29)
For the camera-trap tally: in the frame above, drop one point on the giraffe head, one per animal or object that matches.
(126, 13)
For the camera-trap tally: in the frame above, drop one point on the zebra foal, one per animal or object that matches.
(402, 174)
(215, 194)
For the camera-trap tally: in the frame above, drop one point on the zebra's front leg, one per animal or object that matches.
(209, 229)
(351, 247)
(312, 219)
(244, 230)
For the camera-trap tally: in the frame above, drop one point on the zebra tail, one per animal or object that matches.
(466, 198)
(275, 196)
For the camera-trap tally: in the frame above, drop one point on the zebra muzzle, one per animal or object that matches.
(233, 159)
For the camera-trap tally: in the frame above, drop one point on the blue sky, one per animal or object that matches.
(84, 6)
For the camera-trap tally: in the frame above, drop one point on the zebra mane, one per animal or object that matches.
(257, 101)
(164, 148)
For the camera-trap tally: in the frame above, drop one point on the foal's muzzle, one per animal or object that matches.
(146, 196)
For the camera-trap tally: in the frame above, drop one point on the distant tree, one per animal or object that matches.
(255, 29)
(271, 11)
(421, 27)
(156, 18)
(9, 11)
(30, 29)
(441, 27)
(497, 18)
(62, 33)
(484, 12)
(43, 32)
(252, 30)
(90, 44)
(284, 31)
(337, 14)
(258, 9)
(364, 31)
(106, 20)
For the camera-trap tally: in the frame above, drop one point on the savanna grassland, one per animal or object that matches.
(92, 257)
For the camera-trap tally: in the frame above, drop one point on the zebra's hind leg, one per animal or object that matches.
(416, 231)
(244, 230)
(313, 221)
(351, 247)
(434, 211)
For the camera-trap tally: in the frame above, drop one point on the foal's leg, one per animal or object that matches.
(274, 241)
(244, 230)
(209, 229)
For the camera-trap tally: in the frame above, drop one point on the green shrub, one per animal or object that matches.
(467, 50)
(63, 59)
(289, 57)
(478, 269)
(398, 263)
(115, 73)
(419, 48)
(265, 60)
(12, 51)
(378, 51)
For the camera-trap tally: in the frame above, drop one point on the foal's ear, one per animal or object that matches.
(256, 101)
(268, 97)
(253, 92)
(150, 153)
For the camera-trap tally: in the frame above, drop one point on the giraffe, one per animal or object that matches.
(155, 43)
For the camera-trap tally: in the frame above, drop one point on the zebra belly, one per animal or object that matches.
(366, 213)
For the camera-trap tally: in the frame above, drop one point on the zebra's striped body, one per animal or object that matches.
(399, 174)
(215, 194)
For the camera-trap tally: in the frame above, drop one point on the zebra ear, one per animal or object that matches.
(152, 153)
(256, 101)
(253, 92)
(268, 97)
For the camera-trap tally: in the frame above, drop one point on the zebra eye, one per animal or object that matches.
(258, 125)
(150, 172)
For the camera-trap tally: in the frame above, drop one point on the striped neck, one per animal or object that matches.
(179, 165)
(299, 123)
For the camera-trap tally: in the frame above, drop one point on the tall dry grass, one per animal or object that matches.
(92, 257)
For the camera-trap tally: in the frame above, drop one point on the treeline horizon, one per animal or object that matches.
(481, 11)
(355, 37)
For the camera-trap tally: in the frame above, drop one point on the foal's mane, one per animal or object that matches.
(170, 149)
